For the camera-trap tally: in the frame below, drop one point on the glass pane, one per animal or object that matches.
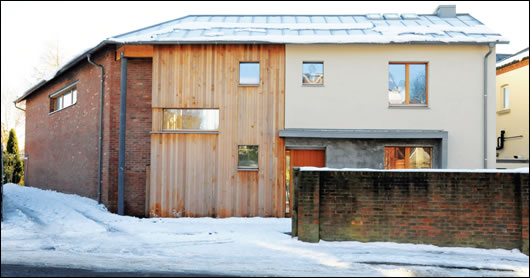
(67, 99)
(418, 84)
(248, 157)
(248, 73)
(396, 84)
(506, 97)
(59, 104)
(420, 158)
(394, 157)
(312, 73)
(197, 119)
(74, 96)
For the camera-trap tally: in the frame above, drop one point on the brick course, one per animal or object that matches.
(487, 210)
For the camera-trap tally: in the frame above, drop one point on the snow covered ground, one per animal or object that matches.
(49, 228)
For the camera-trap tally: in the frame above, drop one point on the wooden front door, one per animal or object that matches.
(299, 158)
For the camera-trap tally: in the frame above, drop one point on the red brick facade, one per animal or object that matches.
(62, 147)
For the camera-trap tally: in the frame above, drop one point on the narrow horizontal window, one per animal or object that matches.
(191, 119)
(247, 157)
(249, 73)
(63, 100)
(408, 157)
(407, 83)
(312, 73)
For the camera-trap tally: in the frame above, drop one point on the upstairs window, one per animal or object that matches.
(408, 157)
(249, 73)
(407, 84)
(63, 98)
(191, 119)
(313, 73)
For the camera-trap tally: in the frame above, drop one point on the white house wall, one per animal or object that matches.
(355, 94)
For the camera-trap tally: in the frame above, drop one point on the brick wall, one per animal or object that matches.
(486, 210)
(63, 146)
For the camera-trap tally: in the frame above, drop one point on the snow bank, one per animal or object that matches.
(43, 227)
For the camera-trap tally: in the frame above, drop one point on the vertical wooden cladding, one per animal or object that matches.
(196, 174)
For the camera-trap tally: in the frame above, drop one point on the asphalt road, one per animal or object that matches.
(13, 270)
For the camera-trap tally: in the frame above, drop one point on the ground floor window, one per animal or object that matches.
(408, 157)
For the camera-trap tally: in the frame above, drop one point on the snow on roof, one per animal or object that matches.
(369, 28)
(515, 58)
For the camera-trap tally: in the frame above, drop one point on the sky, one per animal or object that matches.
(44, 227)
(28, 27)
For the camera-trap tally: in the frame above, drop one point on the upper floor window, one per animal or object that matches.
(249, 73)
(312, 73)
(191, 119)
(408, 157)
(63, 98)
(407, 83)
(506, 97)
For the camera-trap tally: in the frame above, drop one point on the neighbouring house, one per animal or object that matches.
(216, 110)
(512, 111)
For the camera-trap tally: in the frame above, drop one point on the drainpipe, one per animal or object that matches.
(121, 160)
(100, 142)
(490, 45)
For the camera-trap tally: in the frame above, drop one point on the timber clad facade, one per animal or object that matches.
(219, 109)
(196, 174)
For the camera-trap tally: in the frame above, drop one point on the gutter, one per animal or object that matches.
(100, 140)
(490, 45)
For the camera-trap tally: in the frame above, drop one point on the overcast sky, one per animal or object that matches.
(28, 26)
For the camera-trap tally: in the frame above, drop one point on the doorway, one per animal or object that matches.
(299, 158)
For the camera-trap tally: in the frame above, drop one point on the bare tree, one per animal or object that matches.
(51, 57)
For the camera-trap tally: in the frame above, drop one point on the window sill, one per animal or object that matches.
(249, 85)
(53, 112)
(412, 106)
(184, 131)
(504, 111)
(248, 169)
(312, 85)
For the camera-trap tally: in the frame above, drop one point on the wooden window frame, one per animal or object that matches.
(407, 84)
(407, 155)
(249, 84)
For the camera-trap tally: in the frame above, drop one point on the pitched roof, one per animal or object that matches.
(369, 28)
(519, 56)
(302, 29)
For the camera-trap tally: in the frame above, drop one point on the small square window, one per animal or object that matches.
(247, 157)
(312, 73)
(249, 73)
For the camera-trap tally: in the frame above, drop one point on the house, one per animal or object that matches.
(207, 115)
(512, 111)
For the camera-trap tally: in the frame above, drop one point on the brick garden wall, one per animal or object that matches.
(486, 210)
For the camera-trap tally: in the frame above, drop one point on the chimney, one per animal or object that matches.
(446, 11)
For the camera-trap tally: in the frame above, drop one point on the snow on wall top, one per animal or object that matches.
(370, 28)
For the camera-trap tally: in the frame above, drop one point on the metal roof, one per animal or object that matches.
(390, 28)
(365, 29)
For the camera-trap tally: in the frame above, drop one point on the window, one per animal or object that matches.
(408, 157)
(407, 83)
(249, 73)
(505, 97)
(248, 157)
(63, 98)
(313, 73)
(191, 119)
